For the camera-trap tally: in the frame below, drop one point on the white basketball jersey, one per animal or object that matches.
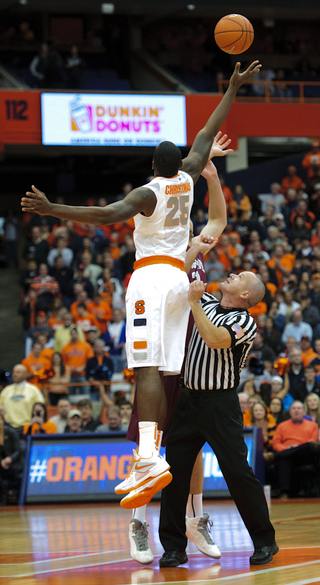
(166, 231)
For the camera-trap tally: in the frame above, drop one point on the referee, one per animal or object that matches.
(209, 410)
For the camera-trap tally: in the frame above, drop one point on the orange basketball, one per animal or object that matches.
(234, 34)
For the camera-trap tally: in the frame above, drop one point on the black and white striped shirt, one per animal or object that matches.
(219, 369)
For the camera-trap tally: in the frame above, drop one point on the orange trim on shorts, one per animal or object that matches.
(158, 260)
(140, 345)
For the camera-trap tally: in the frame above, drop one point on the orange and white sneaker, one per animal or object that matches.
(143, 469)
(143, 494)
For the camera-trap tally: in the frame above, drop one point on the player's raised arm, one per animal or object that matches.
(139, 200)
(198, 155)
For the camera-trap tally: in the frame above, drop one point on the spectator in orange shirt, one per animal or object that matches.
(225, 252)
(282, 264)
(85, 320)
(296, 443)
(312, 158)
(55, 320)
(101, 310)
(303, 211)
(123, 228)
(82, 298)
(240, 201)
(33, 362)
(46, 352)
(291, 180)
(308, 355)
(39, 423)
(75, 355)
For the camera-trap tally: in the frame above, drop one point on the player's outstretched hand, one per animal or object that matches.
(219, 148)
(196, 290)
(36, 202)
(237, 78)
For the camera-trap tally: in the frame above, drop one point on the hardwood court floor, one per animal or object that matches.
(88, 545)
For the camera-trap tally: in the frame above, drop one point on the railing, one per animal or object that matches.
(302, 91)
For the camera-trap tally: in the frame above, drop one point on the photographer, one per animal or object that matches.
(39, 423)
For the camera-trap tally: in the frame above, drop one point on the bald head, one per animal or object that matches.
(19, 373)
(257, 289)
(242, 290)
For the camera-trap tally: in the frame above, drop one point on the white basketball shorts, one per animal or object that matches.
(157, 318)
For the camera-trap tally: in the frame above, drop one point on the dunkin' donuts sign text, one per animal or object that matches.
(111, 120)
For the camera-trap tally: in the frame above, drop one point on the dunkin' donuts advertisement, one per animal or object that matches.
(112, 120)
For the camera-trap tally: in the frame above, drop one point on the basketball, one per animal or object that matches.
(234, 34)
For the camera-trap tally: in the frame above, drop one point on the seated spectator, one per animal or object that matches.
(88, 424)
(296, 371)
(240, 202)
(101, 310)
(310, 313)
(262, 419)
(62, 335)
(93, 335)
(261, 350)
(91, 271)
(291, 180)
(279, 388)
(288, 305)
(115, 339)
(57, 382)
(279, 320)
(310, 384)
(85, 320)
(312, 158)
(244, 405)
(282, 263)
(81, 298)
(45, 286)
(40, 328)
(312, 407)
(28, 275)
(125, 411)
(55, 320)
(18, 398)
(73, 421)
(308, 355)
(275, 199)
(114, 422)
(214, 269)
(75, 355)
(316, 361)
(39, 423)
(276, 409)
(36, 249)
(303, 211)
(225, 252)
(46, 351)
(297, 328)
(63, 275)
(60, 419)
(61, 250)
(83, 281)
(99, 367)
(128, 254)
(106, 287)
(296, 443)
(35, 362)
(272, 336)
(10, 457)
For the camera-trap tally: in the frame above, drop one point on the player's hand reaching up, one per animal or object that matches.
(36, 202)
(237, 78)
(219, 148)
(196, 290)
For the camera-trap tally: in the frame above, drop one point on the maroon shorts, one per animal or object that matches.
(173, 390)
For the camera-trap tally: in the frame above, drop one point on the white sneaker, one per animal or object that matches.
(198, 531)
(143, 469)
(139, 545)
(143, 494)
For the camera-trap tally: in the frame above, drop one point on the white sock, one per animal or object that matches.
(139, 514)
(147, 438)
(194, 506)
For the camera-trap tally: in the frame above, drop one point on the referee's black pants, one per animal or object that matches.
(215, 417)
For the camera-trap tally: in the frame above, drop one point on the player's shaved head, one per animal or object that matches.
(167, 159)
